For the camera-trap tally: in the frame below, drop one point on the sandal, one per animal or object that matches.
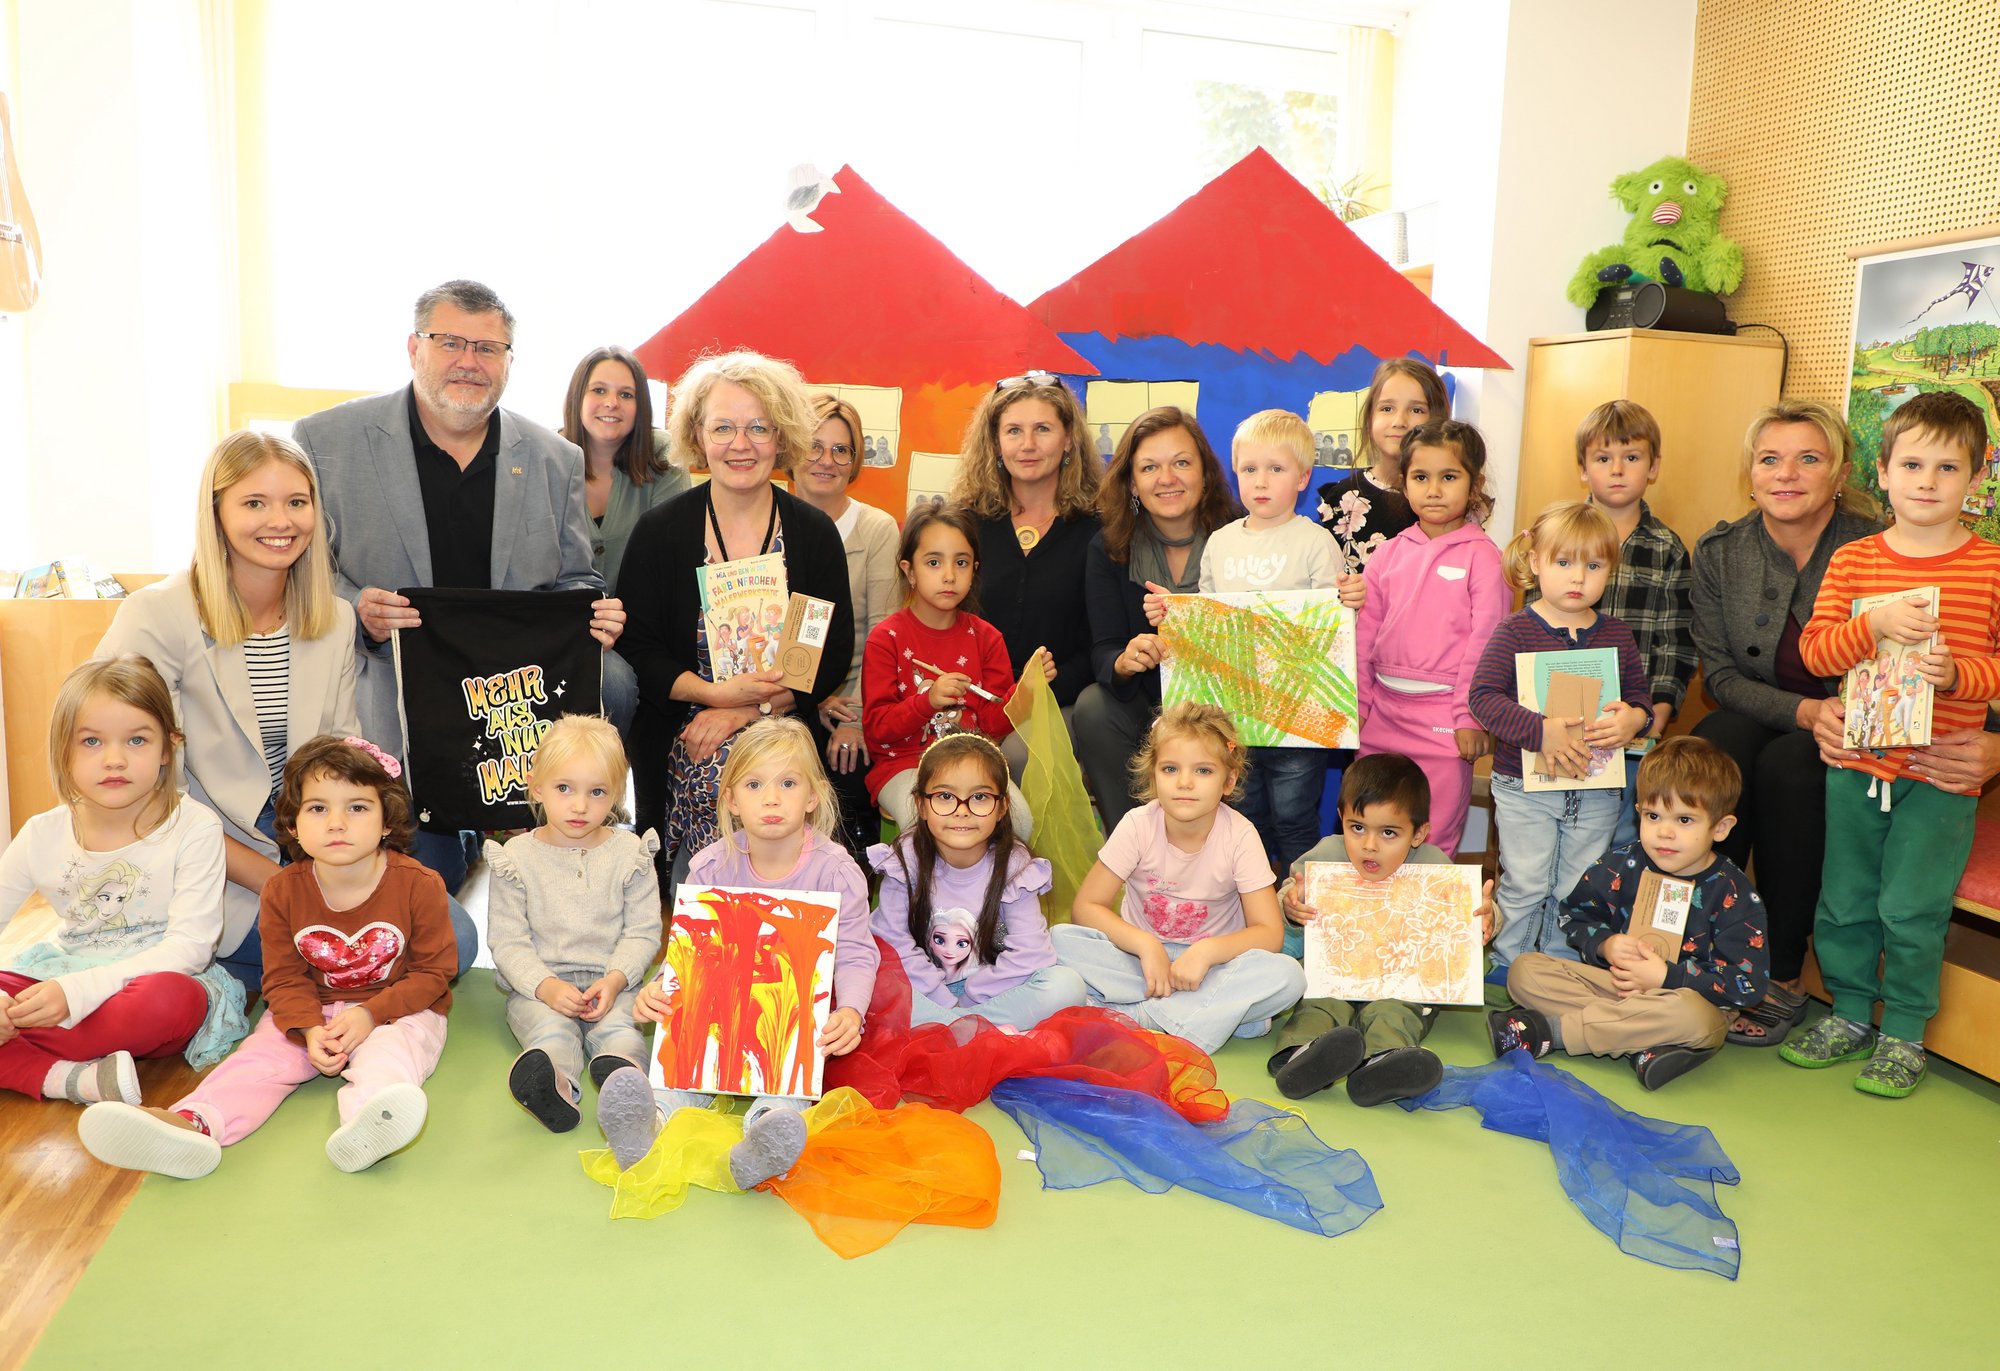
(1778, 1014)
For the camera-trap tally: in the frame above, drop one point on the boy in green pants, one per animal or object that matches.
(1385, 812)
(1896, 846)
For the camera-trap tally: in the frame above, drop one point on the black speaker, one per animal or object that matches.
(1652, 305)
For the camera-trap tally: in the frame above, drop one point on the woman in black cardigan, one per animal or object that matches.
(1029, 474)
(740, 417)
(1163, 495)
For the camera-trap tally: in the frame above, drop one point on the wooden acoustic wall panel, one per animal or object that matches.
(1841, 124)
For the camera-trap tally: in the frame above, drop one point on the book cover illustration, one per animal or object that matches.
(1888, 701)
(1575, 684)
(743, 606)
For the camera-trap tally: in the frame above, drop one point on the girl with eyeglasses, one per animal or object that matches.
(1192, 948)
(961, 898)
(869, 536)
(933, 667)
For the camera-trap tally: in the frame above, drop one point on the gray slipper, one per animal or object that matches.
(772, 1145)
(627, 1114)
(117, 1079)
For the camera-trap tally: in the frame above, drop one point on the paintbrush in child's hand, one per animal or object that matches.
(981, 691)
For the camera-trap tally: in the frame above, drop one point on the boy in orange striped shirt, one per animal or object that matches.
(1896, 846)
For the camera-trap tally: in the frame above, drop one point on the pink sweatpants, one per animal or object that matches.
(254, 1080)
(1420, 727)
(153, 1016)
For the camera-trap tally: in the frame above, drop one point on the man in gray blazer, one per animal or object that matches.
(436, 485)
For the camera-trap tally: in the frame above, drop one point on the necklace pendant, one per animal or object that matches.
(1027, 535)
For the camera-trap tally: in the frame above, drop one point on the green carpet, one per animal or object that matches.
(1868, 1230)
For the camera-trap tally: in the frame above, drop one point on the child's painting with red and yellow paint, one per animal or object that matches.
(753, 976)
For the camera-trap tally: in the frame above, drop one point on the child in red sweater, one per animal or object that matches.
(934, 667)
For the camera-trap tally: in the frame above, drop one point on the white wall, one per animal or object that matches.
(119, 366)
(1521, 154)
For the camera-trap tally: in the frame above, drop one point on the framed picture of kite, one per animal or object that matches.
(752, 983)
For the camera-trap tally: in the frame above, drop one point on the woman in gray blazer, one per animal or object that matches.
(259, 654)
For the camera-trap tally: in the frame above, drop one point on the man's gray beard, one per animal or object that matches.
(468, 414)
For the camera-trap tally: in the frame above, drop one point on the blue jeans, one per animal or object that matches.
(1281, 797)
(1048, 991)
(621, 693)
(1237, 998)
(1548, 839)
(246, 962)
(1628, 807)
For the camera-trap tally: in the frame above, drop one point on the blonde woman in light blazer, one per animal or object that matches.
(258, 597)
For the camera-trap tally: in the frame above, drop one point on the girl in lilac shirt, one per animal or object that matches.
(778, 818)
(961, 898)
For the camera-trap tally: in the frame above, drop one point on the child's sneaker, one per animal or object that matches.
(1896, 1069)
(1833, 1039)
(1401, 1073)
(1320, 1063)
(1657, 1065)
(389, 1122)
(543, 1091)
(772, 1144)
(115, 1077)
(628, 1114)
(118, 1134)
(1519, 1027)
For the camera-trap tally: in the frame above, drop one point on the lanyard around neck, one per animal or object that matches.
(715, 526)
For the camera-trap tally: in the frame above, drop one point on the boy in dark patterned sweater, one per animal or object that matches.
(1624, 998)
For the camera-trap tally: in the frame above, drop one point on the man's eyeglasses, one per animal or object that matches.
(979, 803)
(840, 454)
(486, 349)
(757, 431)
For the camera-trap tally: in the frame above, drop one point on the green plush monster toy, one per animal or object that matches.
(1673, 238)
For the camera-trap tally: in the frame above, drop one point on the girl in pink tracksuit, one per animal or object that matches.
(1434, 594)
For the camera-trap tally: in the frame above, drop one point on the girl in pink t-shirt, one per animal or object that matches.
(1193, 948)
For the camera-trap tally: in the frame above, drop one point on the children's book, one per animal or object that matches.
(1888, 702)
(1414, 937)
(1660, 913)
(1575, 684)
(753, 984)
(743, 614)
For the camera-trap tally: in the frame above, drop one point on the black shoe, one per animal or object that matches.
(604, 1063)
(1321, 1062)
(533, 1081)
(1401, 1073)
(1657, 1065)
(1519, 1027)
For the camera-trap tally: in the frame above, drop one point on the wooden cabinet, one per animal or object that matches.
(1702, 387)
(40, 641)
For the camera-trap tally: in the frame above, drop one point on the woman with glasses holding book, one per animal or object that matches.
(739, 418)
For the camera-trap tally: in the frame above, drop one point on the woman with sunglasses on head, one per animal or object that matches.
(740, 417)
(869, 536)
(1029, 474)
(609, 414)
